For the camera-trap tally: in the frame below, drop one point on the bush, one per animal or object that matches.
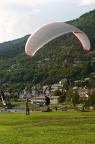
(57, 93)
(62, 98)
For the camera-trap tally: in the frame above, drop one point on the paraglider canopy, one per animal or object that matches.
(3, 97)
(50, 31)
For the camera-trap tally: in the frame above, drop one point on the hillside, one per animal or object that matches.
(61, 58)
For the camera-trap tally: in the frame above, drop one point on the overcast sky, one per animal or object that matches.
(21, 17)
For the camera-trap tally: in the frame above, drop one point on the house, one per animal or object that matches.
(38, 100)
(87, 79)
(93, 59)
(54, 99)
(41, 100)
(62, 81)
(83, 92)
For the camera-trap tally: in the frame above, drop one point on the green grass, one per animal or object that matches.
(59, 127)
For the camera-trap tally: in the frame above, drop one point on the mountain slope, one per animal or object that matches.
(61, 58)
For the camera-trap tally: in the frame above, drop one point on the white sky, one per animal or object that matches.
(21, 17)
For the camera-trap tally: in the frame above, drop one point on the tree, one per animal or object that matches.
(62, 98)
(75, 98)
(57, 93)
(92, 99)
(69, 95)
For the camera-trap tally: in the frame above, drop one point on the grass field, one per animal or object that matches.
(57, 127)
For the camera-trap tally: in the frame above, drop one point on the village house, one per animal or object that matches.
(41, 100)
(83, 92)
(62, 81)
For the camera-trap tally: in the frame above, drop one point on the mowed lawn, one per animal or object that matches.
(57, 127)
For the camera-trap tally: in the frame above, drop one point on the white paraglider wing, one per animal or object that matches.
(3, 97)
(51, 31)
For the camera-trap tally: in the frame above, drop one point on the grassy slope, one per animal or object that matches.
(59, 127)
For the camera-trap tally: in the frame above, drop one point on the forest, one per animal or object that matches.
(61, 58)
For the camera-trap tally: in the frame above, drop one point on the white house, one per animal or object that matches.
(62, 81)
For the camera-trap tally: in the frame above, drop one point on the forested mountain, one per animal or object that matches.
(61, 58)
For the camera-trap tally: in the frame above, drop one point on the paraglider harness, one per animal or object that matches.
(47, 102)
